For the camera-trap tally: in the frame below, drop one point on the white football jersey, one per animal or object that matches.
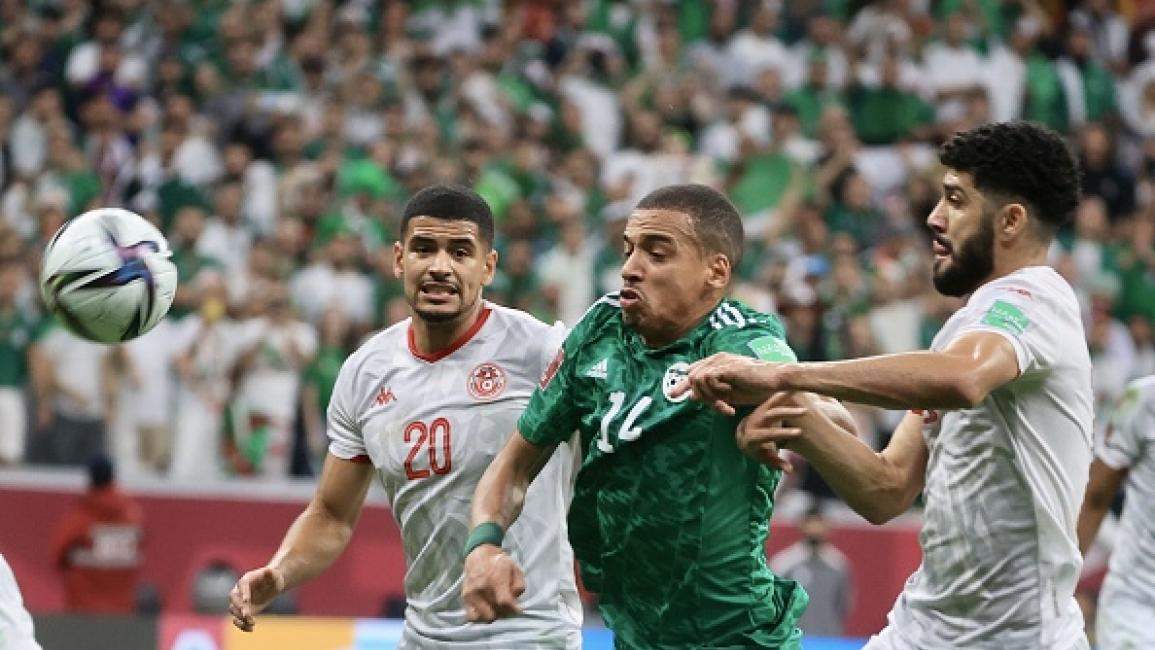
(16, 631)
(1130, 444)
(1004, 483)
(431, 425)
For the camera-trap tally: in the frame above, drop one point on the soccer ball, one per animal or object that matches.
(107, 276)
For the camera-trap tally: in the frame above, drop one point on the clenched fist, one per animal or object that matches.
(493, 581)
(253, 593)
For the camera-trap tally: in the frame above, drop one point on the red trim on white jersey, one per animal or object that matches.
(438, 355)
(361, 459)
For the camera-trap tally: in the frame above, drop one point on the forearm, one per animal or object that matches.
(314, 541)
(894, 381)
(500, 493)
(866, 480)
(499, 497)
(1090, 519)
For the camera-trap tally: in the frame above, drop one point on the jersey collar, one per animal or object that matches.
(437, 355)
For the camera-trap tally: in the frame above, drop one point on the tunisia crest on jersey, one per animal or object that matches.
(486, 381)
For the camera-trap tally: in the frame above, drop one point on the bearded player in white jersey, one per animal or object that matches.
(425, 405)
(998, 436)
(1126, 456)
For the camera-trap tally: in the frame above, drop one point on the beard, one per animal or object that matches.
(970, 263)
(437, 317)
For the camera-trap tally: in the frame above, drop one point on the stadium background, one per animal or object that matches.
(275, 141)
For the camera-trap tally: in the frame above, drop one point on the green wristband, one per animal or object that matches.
(487, 533)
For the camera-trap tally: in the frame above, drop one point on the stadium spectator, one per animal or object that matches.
(823, 571)
(19, 332)
(78, 402)
(98, 546)
(276, 350)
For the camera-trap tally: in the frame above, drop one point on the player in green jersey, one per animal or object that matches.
(669, 519)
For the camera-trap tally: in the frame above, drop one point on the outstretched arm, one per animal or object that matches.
(877, 485)
(313, 542)
(960, 376)
(492, 580)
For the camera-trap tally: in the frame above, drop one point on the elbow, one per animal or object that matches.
(967, 392)
(879, 514)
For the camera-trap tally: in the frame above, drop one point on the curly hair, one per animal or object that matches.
(1023, 161)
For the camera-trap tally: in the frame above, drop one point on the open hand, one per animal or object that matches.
(772, 426)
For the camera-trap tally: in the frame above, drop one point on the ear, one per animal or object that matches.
(398, 255)
(718, 271)
(490, 267)
(1012, 221)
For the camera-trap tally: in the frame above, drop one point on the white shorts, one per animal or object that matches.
(1122, 623)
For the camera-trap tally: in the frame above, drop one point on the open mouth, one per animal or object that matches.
(438, 290)
(629, 297)
(941, 246)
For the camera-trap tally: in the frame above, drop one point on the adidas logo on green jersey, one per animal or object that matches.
(599, 369)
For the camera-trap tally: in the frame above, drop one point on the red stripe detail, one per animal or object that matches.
(361, 460)
(438, 355)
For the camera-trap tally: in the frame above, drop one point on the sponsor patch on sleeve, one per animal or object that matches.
(552, 368)
(1007, 317)
(772, 348)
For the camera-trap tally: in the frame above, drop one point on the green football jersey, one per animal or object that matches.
(669, 519)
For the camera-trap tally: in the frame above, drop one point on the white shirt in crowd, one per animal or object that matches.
(272, 385)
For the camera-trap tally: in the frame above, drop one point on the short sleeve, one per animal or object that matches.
(1011, 312)
(552, 415)
(741, 330)
(345, 439)
(554, 339)
(1123, 441)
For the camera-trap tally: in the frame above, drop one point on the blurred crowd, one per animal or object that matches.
(274, 142)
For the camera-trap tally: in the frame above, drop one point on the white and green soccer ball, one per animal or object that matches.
(106, 275)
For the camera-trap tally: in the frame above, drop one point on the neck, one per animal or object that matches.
(1018, 259)
(666, 337)
(431, 337)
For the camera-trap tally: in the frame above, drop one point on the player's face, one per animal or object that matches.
(443, 264)
(668, 283)
(963, 236)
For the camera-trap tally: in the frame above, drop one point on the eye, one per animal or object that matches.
(461, 253)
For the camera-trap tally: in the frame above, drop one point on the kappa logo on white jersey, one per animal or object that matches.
(674, 376)
(486, 381)
(599, 370)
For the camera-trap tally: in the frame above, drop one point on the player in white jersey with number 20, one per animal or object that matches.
(426, 405)
(1126, 456)
(998, 436)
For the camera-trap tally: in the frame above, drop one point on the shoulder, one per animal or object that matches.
(788, 559)
(605, 310)
(738, 328)
(1139, 394)
(516, 322)
(377, 355)
(1031, 288)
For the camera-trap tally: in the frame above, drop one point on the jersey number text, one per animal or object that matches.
(628, 432)
(429, 438)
